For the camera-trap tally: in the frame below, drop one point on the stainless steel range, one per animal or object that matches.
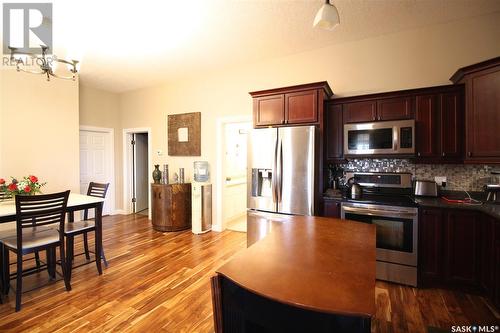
(386, 202)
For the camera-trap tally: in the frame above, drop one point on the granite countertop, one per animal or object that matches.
(487, 208)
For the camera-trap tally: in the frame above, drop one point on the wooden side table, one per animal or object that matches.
(171, 206)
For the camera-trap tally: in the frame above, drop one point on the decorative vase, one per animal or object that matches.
(157, 174)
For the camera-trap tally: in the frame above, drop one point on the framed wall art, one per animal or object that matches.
(184, 134)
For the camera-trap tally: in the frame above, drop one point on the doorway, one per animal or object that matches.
(140, 142)
(136, 171)
(97, 162)
(234, 175)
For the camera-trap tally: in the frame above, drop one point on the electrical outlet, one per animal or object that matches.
(440, 180)
(159, 152)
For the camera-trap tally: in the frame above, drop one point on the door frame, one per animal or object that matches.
(219, 179)
(127, 167)
(110, 132)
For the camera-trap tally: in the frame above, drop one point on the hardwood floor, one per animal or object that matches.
(160, 282)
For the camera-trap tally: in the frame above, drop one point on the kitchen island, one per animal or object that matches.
(308, 274)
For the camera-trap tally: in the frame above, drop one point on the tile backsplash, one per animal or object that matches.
(469, 177)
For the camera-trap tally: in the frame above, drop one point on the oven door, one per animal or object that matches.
(396, 230)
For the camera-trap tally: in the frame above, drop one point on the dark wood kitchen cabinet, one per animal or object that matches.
(331, 207)
(457, 250)
(427, 126)
(269, 110)
(301, 107)
(296, 105)
(439, 125)
(379, 109)
(395, 108)
(482, 110)
(359, 112)
(461, 253)
(334, 133)
(430, 247)
(495, 263)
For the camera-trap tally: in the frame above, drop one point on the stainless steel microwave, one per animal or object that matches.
(380, 138)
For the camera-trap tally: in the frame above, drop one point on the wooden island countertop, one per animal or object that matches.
(318, 264)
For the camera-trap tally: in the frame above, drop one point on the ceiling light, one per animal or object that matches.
(47, 64)
(327, 17)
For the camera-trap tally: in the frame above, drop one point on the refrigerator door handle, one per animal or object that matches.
(280, 179)
(274, 177)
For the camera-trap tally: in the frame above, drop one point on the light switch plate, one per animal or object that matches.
(440, 180)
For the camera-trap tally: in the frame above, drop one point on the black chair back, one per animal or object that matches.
(40, 210)
(95, 190)
(4, 195)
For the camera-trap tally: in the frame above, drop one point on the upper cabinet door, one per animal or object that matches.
(301, 107)
(451, 125)
(483, 116)
(482, 110)
(269, 110)
(395, 108)
(427, 126)
(359, 112)
(334, 137)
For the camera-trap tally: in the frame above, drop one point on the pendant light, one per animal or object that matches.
(327, 17)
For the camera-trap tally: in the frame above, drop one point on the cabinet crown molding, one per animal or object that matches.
(308, 86)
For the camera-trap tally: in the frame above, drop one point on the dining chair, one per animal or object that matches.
(5, 196)
(84, 227)
(35, 217)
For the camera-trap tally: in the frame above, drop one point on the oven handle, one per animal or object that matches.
(378, 212)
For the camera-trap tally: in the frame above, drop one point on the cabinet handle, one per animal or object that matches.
(283, 121)
(418, 154)
(444, 154)
(469, 154)
(159, 195)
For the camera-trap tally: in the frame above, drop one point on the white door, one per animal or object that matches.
(96, 163)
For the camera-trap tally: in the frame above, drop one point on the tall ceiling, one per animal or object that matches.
(126, 45)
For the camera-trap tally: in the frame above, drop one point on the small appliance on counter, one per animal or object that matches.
(493, 193)
(426, 188)
(493, 188)
(355, 190)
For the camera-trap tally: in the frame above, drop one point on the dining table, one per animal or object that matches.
(76, 202)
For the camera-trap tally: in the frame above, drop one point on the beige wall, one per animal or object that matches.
(100, 108)
(39, 130)
(409, 59)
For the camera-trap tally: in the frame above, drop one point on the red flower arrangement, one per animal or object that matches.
(28, 186)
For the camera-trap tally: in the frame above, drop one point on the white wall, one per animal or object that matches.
(39, 130)
(100, 108)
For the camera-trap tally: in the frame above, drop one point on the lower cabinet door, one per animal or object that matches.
(495, 289)
(462, 249)
(430, 248)
(331, 208)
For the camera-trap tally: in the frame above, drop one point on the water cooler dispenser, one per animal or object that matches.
(201, 199)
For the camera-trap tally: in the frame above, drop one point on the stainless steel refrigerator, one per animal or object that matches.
(280, 176)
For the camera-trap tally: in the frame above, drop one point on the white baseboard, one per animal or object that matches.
(119, 212)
